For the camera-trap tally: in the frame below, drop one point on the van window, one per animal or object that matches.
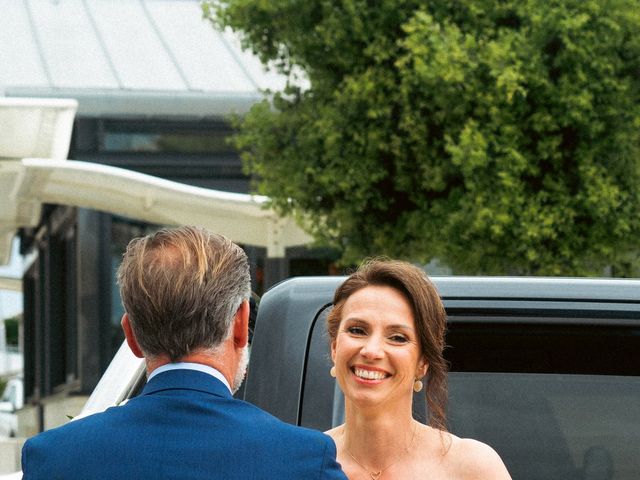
(531, 391)
(552, 425)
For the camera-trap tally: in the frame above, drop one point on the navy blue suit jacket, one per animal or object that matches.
(184, 425)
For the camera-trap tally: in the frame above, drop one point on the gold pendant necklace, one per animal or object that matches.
(375, 475)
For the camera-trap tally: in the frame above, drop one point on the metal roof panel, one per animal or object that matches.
(19, 55)
(203, 56)
(265, 79)
(123, 57)
(137, 52)
(71, 51)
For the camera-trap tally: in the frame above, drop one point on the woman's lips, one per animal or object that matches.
(369, 374)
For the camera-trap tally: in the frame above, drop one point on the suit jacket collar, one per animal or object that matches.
(183, 379)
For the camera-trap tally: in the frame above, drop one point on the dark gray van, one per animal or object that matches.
(547, 371)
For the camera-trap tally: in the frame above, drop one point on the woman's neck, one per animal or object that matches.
(377, 437)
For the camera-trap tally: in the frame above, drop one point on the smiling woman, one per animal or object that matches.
(377, 354)
(387, 334)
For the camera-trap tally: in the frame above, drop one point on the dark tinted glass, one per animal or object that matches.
(549, 426)
(555, 401)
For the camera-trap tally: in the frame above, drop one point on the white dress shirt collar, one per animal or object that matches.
(191, 366)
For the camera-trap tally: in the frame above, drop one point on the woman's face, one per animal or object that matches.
(376, 350)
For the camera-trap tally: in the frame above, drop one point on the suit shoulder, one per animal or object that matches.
(278, 426)
(82, 426)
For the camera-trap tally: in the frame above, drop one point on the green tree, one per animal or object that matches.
(498, 136)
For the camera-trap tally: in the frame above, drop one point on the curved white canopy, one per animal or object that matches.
(42, 128)
(240, 217)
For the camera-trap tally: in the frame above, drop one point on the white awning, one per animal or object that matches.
(240, 217)
(42, 128)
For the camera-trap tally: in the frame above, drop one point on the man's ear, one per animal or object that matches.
(131, 338)
(241, 326)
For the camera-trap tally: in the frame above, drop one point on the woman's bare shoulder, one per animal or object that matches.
(475, 460)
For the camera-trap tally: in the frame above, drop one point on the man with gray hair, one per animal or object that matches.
(185, 292)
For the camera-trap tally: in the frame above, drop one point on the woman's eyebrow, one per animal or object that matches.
(399, 326)
(394, 326)
(356, 320)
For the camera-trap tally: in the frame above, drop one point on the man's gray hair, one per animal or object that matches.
(181, 288)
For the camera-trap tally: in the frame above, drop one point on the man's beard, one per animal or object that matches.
(242, 369)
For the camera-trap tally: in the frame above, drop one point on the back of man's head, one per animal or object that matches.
(181, 289)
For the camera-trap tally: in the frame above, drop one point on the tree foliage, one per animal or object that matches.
(498, 136)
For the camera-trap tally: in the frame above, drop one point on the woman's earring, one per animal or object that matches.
(332, 372)
(417, 385)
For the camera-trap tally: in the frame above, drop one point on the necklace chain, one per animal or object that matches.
(375, 475)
